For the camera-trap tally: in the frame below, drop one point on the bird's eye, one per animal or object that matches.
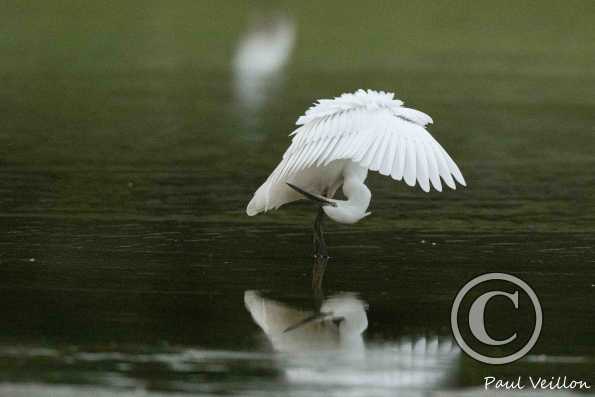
(338, 320)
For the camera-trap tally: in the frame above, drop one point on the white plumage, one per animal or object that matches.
(353, 133)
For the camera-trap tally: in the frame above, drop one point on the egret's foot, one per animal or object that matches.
(320, 248)
(323, 251)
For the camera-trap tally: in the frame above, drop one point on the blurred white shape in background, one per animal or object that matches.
(261, 55)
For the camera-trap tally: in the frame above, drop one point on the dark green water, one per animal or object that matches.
(129, 150)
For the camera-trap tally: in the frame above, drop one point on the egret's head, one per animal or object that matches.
(355, 208)
(344, 212)
(349, 309)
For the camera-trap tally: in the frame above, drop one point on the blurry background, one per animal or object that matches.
(133, 134)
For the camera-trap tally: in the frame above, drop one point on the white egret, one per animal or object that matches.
(338, 141)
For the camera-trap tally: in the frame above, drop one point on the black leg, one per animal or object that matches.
(315, 248)
(323, 249)
(317, 277)
(320, 248)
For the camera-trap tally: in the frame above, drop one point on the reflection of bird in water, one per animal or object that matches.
(261, 55)
(335, 145)
(337, 325)
(419, 361)
(326, 347)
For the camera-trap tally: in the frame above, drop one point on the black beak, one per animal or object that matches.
(307, 320)
(311, 196)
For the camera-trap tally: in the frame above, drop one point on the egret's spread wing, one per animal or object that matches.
(374, 130)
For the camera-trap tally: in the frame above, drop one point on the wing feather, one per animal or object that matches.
(454, 169)
(422, 167)
(343, 144)
(370, 160)
(376, 164)
(329, 151)
(410, 167)
(313, 154)
(413, 115)
(357, 141)
(364, 145)
(399, 170)
(390, 154)
(317, 146)
(294, 160)
(351, 136)
(316, 154)
(307, 153)
(443, 167)
(385, 137)
(432, 166)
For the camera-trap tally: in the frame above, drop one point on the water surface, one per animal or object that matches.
(129, 148)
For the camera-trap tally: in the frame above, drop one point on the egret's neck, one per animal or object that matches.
(358, 196)
(357, 193)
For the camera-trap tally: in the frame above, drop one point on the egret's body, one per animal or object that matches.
(339, 140)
